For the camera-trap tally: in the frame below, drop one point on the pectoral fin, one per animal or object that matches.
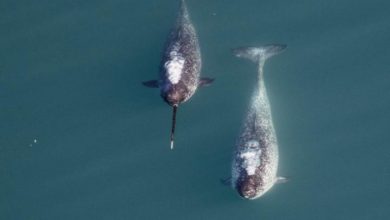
(151, 83)
(281, 179)
(205, 81)
(226, 181)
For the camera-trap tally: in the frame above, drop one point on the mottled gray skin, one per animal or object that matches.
(180, 66)
(182, 43)
(255, 159)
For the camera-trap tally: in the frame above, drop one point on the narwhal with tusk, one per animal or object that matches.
(179, 72)
(255, 160)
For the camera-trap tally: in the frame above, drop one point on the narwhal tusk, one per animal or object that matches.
(174, 110)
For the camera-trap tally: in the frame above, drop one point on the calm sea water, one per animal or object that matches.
(80, 138)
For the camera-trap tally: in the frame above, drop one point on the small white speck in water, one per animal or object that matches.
(35, 141)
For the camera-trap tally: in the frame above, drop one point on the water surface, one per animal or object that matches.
(82, 139)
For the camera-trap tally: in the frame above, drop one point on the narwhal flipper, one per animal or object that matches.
(281, 179)
(205, 81)
(226, 181)
(151, 83)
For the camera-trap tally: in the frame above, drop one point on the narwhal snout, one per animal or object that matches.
(173, 97)
(247, 192)
(247, 188)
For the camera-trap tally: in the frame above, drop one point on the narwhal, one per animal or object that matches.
(255, 159)
(179, 72)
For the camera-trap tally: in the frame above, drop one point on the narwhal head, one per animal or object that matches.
(174, 94)
(248, 187)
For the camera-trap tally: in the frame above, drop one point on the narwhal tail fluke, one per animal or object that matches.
(257, 54)
(174, 110)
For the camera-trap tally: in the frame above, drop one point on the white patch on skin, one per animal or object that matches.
(251, 158)
(174, 67)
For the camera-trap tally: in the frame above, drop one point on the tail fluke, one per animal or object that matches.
(174, 110)
(257, 54)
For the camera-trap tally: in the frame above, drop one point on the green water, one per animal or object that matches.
(80, 138)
